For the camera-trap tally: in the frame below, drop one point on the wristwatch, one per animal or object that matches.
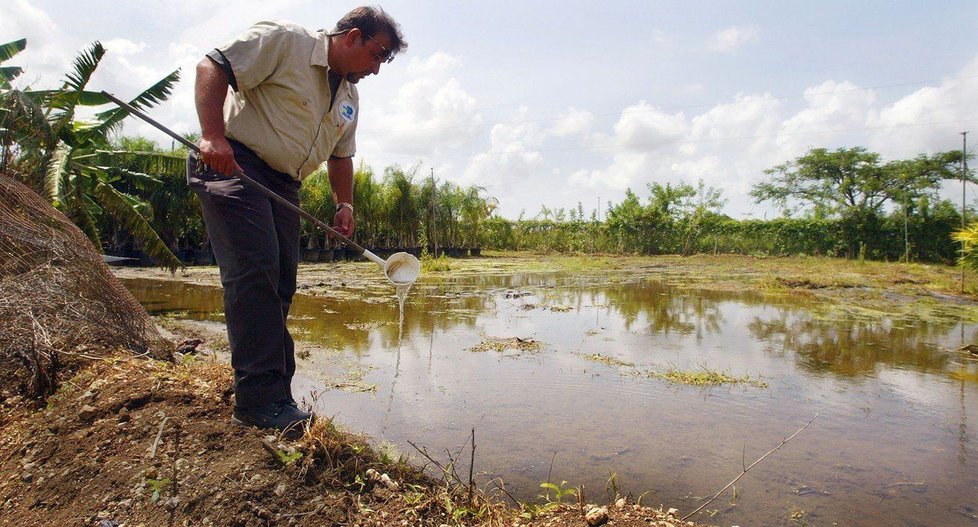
(344, 205)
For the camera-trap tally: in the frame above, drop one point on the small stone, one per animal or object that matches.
(26, 477)
(123, 415)
(672, 512)
(389, 483)
(281, 489)
(597, 516)
(620, 504)
(87, 413)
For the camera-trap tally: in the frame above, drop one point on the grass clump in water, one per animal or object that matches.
(610, 361)
(502, 344)
(430, 264)
(704, 377)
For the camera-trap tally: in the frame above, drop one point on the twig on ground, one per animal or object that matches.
(424, 452)
(717, 495)
(471, 467)
(159, 435)
(502, 486)
(551, 471)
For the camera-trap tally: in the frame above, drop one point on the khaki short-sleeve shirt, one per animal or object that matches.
(281, 109)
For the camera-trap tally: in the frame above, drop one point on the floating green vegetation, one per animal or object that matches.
(502, 344)
(435, 265)
(704, 377)
(610, 361)
(366, 326)
(354, 379)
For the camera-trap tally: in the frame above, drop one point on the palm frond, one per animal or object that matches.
(64, 101)
(9, 73)
(137, 179)
(10, 49)
(150, 97)
(84, 97)
(80, 214)
(122, 209)
(84, 66)
(156, 163)
(56, 178)
(25, 125)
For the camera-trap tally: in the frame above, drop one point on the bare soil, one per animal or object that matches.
(136, 442)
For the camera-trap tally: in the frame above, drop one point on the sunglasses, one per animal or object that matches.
(387, 56)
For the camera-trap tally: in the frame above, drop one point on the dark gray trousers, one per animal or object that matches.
(256, 244)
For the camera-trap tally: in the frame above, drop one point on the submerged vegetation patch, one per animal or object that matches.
(701, 377)
(610, 361)
(502, 344)
(704, 377)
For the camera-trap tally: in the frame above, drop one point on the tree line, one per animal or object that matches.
(129, 194)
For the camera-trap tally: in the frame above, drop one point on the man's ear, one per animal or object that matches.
(352, 36)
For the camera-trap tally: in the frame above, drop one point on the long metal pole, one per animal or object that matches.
(247, 180)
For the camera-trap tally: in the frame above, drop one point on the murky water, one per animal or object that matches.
(894, 442)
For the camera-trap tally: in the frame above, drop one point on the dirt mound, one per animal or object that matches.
(130, 442)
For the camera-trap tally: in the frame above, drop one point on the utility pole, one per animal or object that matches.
(964, 175)
(434, 219)
(906, 221)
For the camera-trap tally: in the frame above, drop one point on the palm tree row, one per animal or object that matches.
(402, 210)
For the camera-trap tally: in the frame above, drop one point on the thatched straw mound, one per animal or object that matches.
(58, 300)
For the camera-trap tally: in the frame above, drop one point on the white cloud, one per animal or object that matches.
(927, 119)
(733, 37)
(833, 112)
(432, 111)
(573, 122)
(512, 164)
(642, 128)
(123, 46)
(45, 56)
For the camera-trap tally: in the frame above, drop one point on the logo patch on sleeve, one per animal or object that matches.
(347, 111)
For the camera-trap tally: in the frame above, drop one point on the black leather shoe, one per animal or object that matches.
(280, 416)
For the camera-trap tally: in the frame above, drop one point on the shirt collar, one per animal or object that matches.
(320, 55)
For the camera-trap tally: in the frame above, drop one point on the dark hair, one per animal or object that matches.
(372, 20)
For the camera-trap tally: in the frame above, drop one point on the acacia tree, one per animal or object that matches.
(852, 184)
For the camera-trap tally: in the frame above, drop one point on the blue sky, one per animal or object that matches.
(555, 103)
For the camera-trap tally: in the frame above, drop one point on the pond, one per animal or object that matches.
(580, 396)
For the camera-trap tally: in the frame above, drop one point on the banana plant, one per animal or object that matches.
(72, 157)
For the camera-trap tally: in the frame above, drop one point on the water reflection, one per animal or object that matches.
(891, 445)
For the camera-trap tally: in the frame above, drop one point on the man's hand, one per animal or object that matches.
(210, 90)
(217, 153)
(343, 222)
